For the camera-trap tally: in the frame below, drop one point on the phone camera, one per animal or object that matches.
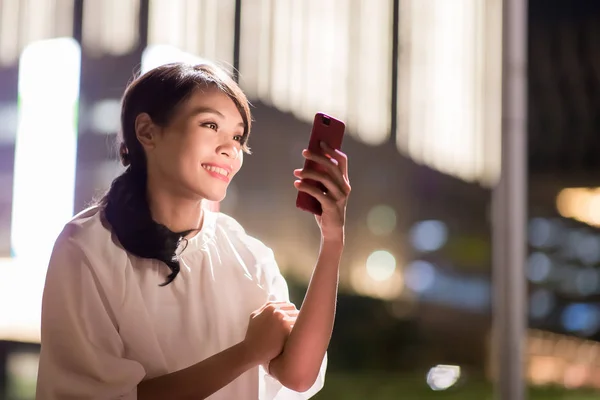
(326, 121)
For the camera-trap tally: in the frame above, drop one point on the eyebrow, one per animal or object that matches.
(208, 110)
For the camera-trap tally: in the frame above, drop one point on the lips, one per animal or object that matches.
(221, 172)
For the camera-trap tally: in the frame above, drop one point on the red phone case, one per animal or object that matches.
(331, 131)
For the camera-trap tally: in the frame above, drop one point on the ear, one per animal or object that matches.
(146, 131)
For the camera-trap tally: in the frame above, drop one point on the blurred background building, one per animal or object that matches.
(418, 84)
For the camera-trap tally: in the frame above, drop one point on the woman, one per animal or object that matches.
(150, 296)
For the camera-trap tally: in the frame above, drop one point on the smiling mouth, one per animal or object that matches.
(217, 170)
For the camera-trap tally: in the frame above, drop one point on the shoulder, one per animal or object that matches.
(87, 237)
(229, 228)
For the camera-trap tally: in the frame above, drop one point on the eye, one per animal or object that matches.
(211, 125)
(239, 138)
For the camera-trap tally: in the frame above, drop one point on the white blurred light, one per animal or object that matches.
(201, 27)
(21, 291)
(541, 303)
(351, 79)
(106, 116)
(46, 146)
(449, 86)
(364, 284)
(25, 21)
(443, 377)
(9, 28)
(381, 220)
(110, 27)
(44, 178)
(427, 236)
(381, 265)
(539, 267)
(420, 276)
(157, 55)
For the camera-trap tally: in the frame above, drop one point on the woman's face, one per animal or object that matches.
(200, 151)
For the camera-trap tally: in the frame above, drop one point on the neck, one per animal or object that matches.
(177, 213)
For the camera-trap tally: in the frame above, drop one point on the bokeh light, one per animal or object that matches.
(443, 377)
(539, 267)
(381, 265)
(381, 220)
(428, 236)
(420, 276)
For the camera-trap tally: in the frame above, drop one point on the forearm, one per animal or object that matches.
(299, 364)
(202, 379)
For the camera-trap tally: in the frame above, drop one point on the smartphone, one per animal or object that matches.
(331, 131)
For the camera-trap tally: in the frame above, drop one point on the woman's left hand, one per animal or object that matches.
(335, 179)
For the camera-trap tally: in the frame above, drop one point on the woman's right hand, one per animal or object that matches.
(269, 328)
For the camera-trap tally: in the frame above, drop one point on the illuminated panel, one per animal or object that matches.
(44, 178)
(157, 55)
(110, 27)
(25, 21)
(321, 55)
(369, 80)
(46, 145)
(9, 25)
(449, 88)
(256, 45)
(202, 27)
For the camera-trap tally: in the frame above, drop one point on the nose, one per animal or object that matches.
(229, 150)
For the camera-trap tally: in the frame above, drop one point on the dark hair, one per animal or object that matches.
(159, 93)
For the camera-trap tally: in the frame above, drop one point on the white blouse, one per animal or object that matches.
(107, 324)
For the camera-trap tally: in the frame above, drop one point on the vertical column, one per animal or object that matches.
(509, 201)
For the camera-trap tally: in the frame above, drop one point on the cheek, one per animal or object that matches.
(239, 162)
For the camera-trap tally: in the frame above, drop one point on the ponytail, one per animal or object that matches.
(126, 210)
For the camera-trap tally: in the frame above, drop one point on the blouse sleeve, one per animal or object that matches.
(82, 355)
(271, 389)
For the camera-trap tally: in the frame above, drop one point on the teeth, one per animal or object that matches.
(216, 169)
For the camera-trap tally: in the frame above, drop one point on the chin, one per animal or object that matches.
(216, 195)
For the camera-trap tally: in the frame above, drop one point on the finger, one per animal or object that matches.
(282, 303)
(291, 312)
(326, 201)
(287, 307)
(269, 304)
(338, 155)
(330, 163)
(331, 166)
(333, 188)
